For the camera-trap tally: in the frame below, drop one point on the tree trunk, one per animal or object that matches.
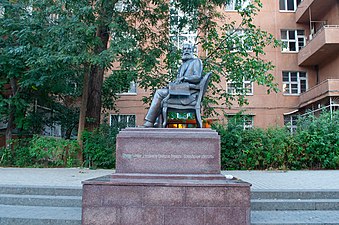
(10, 126)
(11, 114)
(96, 77)
(82, 116)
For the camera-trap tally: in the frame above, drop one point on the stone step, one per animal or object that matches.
(295, 204)
(295, 194)
(308, 217)
(40, 200)
(40, 190)
(39, 215)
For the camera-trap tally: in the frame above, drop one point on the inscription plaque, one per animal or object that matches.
(162, 156)
(178, 151)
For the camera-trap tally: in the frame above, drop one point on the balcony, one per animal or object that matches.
(327, 88)
(324, 44)
(313, 10)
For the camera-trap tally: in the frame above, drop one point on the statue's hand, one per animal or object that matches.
(179, 80)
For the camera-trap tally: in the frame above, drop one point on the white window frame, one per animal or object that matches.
(2, 11)
(128, 116)
(121, 6)
(241, 34)
(290, 122)
(53, 18)
(232, 4)
(247, 121)
(285, 2)
(287, 84)
(232, 89)
(132, 90)
(297, 38)
(179, 38)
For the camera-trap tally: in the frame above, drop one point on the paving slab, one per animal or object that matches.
(308, 217)
(55, 177)
(260, 180)
(290, 180)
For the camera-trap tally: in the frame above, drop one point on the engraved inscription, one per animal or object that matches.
(165, 156)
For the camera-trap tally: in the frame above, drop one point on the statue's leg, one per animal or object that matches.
(155, 108)
(164, 116)
(198, 118)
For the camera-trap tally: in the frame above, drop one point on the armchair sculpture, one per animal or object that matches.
(171, 103)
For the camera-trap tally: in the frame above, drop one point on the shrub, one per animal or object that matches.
(40, 151)
(53, 152)
(253, 149)
(315, 145)
(99, 147)
(318, 141)
(6, 156)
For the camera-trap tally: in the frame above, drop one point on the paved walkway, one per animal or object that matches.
(260, 180)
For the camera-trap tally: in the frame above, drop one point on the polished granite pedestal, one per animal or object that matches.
(166, 177)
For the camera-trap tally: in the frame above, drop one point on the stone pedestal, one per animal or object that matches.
(166, 177)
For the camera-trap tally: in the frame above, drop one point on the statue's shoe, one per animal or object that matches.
(147, 124)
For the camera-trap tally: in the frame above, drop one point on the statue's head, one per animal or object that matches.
(187, 51)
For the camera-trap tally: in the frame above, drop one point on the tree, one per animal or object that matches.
(229, 55)
(55, 50)
(39, 70)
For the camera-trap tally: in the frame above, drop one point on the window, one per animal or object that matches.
(290, 121)
(53, 18)
(294, 83)
(119, 6)
(2, 11)
(125, 6)
(288, 5)
(123, 121)
(180, 35)
(178, 40)
(127, 41)
(245, 121)
(3, 124)
(132, 88)
(293, 40)
(240, 40)
(234, 5)
(237, 88)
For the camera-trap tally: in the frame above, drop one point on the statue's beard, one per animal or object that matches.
(187, 57)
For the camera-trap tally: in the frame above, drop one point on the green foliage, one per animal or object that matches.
(49, 46)
(254, 148)
(117, 82)
(40, 70)
(315, 145)
(54, 152)
(6, 157)
(40, 151)
(230, 56)
(99, 147)
(318, 141)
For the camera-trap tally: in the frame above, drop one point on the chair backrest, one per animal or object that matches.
(203, 87)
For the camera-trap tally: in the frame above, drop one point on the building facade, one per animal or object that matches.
(306, 67)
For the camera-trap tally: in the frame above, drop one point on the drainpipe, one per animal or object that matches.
(316, 67)
(331, 110)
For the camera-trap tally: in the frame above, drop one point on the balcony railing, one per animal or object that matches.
(313, 10)
(327, 88)
(323, 44)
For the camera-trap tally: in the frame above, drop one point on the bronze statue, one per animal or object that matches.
(185, 86)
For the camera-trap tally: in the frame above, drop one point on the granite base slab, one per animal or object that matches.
(148, 199)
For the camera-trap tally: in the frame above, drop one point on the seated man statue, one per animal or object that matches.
(186, 85)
